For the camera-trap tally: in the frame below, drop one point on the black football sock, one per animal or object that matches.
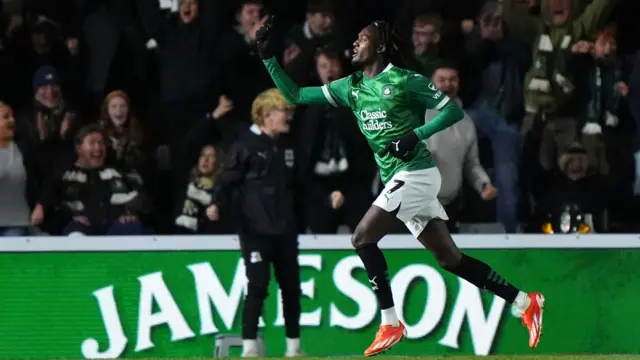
(484, 277)
(378, 272)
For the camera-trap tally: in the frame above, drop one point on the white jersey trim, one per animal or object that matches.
(442, 103)
(327, 94)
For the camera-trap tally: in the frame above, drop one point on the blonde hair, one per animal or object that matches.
(271, 99)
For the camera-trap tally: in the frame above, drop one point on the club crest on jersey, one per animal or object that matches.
(387, 93)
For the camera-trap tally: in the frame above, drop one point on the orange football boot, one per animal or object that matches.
(386, 337)
(532, 318)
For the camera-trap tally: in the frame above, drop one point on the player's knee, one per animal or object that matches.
(448, 260)
(360, 237)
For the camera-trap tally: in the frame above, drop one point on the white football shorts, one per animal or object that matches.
(416, 195)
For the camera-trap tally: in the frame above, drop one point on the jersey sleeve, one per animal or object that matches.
(290, 90)
(423, 95)
(337, 92)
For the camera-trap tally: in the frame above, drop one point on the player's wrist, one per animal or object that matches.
(411, 138)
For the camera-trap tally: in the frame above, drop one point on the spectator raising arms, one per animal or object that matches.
(90, 198)
(14, 209)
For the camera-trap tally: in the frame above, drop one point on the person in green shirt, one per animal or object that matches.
(389, 103)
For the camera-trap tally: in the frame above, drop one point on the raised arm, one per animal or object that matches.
(291, 91)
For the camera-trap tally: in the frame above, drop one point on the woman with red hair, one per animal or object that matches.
(124, 135)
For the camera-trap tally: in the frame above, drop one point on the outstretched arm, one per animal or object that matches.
(291, 91)
(333, 93)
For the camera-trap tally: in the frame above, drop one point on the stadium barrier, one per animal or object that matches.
(112, 297)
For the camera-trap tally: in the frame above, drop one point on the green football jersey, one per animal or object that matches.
(387, 107)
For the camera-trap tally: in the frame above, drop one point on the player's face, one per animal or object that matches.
(328, 69)
(118, 111)
(188, 11)
(207, 161)
(424, 37)
(447, 81)
(278, 121)
(7, 122)
(364, 48)
(91, 151)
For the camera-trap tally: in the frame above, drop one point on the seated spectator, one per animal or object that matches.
(334, 163)
(124, 136)
(193, 215)
(14, 209)
(570, 190)
(90, 198)
(455, 151)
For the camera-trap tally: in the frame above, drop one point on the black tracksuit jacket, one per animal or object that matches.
(259, 177)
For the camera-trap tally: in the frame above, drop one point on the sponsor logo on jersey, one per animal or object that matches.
(375, 125)
(387, 92)
(437, 93)
(366, 115)
(374, 120)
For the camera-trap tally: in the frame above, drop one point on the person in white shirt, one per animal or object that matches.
(455, 151)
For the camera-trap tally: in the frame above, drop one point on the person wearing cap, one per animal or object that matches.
(259, 171)
(45, 127)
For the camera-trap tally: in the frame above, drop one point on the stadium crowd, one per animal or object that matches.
(115, 115)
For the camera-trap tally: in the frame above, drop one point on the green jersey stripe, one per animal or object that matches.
(327, 94)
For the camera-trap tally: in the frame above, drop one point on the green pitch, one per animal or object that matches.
(490, 357)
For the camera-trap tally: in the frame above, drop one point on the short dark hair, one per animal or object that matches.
(86, 131)
(242, 3)
(446, 66)
(329, 52)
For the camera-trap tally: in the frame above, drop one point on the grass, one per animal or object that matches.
(491, 357)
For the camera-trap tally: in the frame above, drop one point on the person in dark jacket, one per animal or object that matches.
(261, 172)
(332, 159)
(88, 197)
(242, 71)
(497, 102)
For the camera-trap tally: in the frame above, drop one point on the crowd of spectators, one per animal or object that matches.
(115, 115)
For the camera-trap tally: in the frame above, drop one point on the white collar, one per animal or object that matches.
(389, 66)
(255, 129)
